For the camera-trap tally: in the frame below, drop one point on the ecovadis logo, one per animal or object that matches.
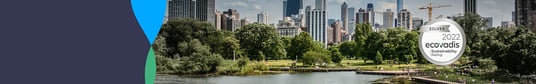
(442, 41)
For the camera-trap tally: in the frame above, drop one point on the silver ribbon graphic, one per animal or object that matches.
(435, 28)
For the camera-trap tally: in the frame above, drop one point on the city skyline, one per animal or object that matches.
(486, 8)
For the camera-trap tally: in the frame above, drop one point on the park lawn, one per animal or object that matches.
(361, 65)
(350, 64)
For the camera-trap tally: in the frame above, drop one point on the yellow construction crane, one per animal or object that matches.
(430, 7)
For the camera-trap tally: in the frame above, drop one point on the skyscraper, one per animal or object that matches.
(320, 4)
(388, 19)
(317, 25)
(262, 18)
(284, 8)
(405, 20)
(417, 22)
(218, 20)
(513, 16)
(230, 20)
(344, 15)
(399, 5)
(203, 10)
(181, 9)
(525, 11)
(336, 32)
(370, 10)
(470, 6)
(362, 16)
(489, 21)
(351, 20)
(292, 7)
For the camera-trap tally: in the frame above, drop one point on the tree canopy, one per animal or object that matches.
(260, 42)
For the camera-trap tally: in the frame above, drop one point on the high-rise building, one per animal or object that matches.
(288, 28)
(399, 5)
(489, 21)
(351, 21)
(244, 22)
(370, 10)
(417, 22)
(362, 16)
(344, 15)
(230, 20)
(284, 8)
(330, 35)
(336, 34)
(292, 7)
(320, 4)
(317, 25)
(181, 9)
(405, 19)
(526, 13)
(203, 10)
(262, 18)
(513, 16)
(470, 6)
(388, 18)
(218, 20)
(233, 12)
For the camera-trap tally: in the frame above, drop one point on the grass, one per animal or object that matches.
(361, 64)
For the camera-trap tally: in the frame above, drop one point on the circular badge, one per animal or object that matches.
(442, 41)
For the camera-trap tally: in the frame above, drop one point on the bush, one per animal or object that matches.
(243, 61)
(165, 64)
(260, 66)
(228, 67)
(312, 58)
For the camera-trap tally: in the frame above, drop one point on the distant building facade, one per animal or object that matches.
(262, 18)
(405, 19)
(470, 6)
(288, 28)
(203, 10)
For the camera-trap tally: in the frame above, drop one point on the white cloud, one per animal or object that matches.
(236, 4)
(256, 6)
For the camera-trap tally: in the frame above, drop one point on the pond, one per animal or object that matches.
(293, 78)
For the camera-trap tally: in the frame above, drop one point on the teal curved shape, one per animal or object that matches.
(149, 14)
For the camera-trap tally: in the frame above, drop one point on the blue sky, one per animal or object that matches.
(500, 10)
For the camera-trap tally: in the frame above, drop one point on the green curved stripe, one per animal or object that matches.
(150, 67)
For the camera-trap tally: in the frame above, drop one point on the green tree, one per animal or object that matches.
(362, 31)
(378, 59)
(287, 42)
(159, 46)
(300, 44)
(200, 60)
(260, 41)
(515, 50)
(472, 25)
(348, 49)
(185, 30)
(375, 43)
(314, 58)
(336, 56)
(232, 50)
